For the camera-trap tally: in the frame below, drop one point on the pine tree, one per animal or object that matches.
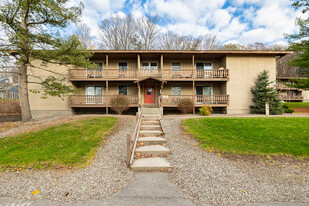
(299, 43)
(263, 93)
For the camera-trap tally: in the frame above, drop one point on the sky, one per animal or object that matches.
(232, 21)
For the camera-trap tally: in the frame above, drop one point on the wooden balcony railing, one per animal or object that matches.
(95, 100)
(286, 87)
(291, 97)
(134, 74)
(173, 100)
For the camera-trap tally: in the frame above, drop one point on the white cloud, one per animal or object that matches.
(256, 21)
(187, 29)
(182, 10)
(270, 22)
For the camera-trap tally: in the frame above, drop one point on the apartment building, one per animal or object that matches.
(291, 94)
(221, 79)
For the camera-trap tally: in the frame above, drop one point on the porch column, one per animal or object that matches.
(193, 95)
(107, 97)
(161, 109)
(106, 62)
(193, 75)
(138, 65)
(139, 93)
(161, 65)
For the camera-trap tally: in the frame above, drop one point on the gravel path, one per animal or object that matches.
(213, 180)
(107, 174)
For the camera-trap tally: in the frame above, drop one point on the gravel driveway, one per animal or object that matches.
(107, 174)
(213, 180)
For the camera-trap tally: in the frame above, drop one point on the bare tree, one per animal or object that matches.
(232, 46)
(83, 34)
(284, 69)
(209, 42)
(147, 31)
(118, 33)
(277, 47)
(171, 41)
(255, 46)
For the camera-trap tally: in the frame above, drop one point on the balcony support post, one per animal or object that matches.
(106, 62)
(139, 93)
(161, 65)
(107, 97)
(138, 65)
(193, 100)
(193, 75)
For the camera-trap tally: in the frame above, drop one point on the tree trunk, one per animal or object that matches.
(23, 93)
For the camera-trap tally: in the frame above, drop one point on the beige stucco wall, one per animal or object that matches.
(306, 95)
(113, 63)
(243, 72)
(52, 106)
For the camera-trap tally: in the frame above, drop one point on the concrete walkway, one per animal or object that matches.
(146, 189)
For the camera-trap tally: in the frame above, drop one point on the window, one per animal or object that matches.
(203, 66)
(176, 90)
(145, 65)
(99, 65)
(149, 90)
(123, 65)
(203, 90)
(150, 65)
(176, 66)
(123, 90)
(97, 72)
(94, 90)
(153, 66)
(203, 70)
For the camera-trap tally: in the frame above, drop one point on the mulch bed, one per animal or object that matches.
(302, 110)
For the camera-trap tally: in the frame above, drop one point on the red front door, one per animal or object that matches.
(149, 95)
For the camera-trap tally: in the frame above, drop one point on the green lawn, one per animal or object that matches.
(298, 104)
(257, 136)
(69, 144)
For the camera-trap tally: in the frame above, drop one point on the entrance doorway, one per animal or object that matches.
(149, 94)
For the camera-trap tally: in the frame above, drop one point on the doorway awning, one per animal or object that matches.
(150, 79)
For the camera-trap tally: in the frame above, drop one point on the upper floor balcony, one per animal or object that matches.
(281, 86)
(135, 74)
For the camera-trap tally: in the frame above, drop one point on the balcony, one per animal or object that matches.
(291, 97)
(199, 100)
(286, 87)
(98, 100)
(134, 74)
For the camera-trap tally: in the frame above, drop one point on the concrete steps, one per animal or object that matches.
(150, 132)
(153, 150)
(150, 122)
(150, 164)
(151, 127)
(151, 140)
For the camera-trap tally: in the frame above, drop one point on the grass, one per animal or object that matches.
(298, 104)
(252, 136)
(66, 145)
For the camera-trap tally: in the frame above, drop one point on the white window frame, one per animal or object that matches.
(149, 64)
(90, 73)
(212, 92)
(123, 62)
(89, 100)
(179, 65)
